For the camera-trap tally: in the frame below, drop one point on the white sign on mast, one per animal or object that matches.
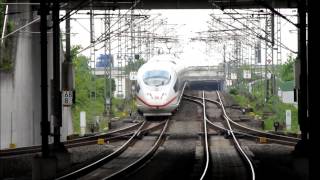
(288, 119)
(133, 76)
(233, 76)
(246, 74)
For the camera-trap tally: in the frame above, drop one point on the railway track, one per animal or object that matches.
(237, 145)
(235, 140)
(142, 160)
(245, 131)
(258, 132)
(206, 141)
(103, 167)
(99, 169)
(117, 134)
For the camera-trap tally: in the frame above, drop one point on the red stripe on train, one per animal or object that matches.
(156, 106)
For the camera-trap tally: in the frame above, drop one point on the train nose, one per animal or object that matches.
(157, 98)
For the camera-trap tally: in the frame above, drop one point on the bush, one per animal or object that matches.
(6, 50)
(272, 111)
(234, 91)
(6, 65)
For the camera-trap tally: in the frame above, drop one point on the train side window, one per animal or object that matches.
(176, 86)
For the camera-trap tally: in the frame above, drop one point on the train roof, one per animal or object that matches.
(164, 58)
(161, 62)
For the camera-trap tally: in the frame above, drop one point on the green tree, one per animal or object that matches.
(134, 65)
(6, 49)
(89, 90)
(286, 70)
(2, 11)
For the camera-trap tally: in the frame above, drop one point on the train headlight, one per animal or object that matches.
(150, 95)
(163, 95)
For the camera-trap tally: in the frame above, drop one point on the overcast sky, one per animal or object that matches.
(188, 22)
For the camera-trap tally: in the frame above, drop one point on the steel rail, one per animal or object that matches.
(258, 131)
(237, 145)
(239, 148)
(288, 138)
(85, 170)
(69, 143)
(205, 138)
(142, 160)
(256, 137)
(239, 132)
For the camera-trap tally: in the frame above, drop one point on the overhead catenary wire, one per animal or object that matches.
(114, 34)
(37, 19)
(99, 39)
(77, 8)
(22, 27)
(255, 33)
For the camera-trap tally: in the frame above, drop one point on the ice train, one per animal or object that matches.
(160, 86)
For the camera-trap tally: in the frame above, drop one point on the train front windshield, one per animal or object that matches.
(156, 78)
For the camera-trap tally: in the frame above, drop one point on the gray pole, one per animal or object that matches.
(56, 73)
(131, 65)
(92, 56)
(45, 126)
(302, 89)
(265, 62)
(11, 128)
(0, 106)
(33, 128)
(110, 67)
(67, 74)
(68, 48)
(224, 62)
(272, 44)
(105, 67)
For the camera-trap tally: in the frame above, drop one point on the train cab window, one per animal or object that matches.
(156, 78)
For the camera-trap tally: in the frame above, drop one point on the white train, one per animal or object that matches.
(160, 86)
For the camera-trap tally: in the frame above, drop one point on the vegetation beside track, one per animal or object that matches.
(274, 110)
(89, 91)
(6, 49)
(90, 94)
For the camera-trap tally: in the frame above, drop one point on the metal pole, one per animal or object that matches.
(56, 73)
(110, 68)
(4, 24)
(302, 89)
(266, 60)
(0, 114)
(92, 48)
(33, 129)
(105, 66)
(67, 70)
(11, 128)
(224, 62)
(68, 56)
(131, 65)
(44, 79)
(272, 68)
